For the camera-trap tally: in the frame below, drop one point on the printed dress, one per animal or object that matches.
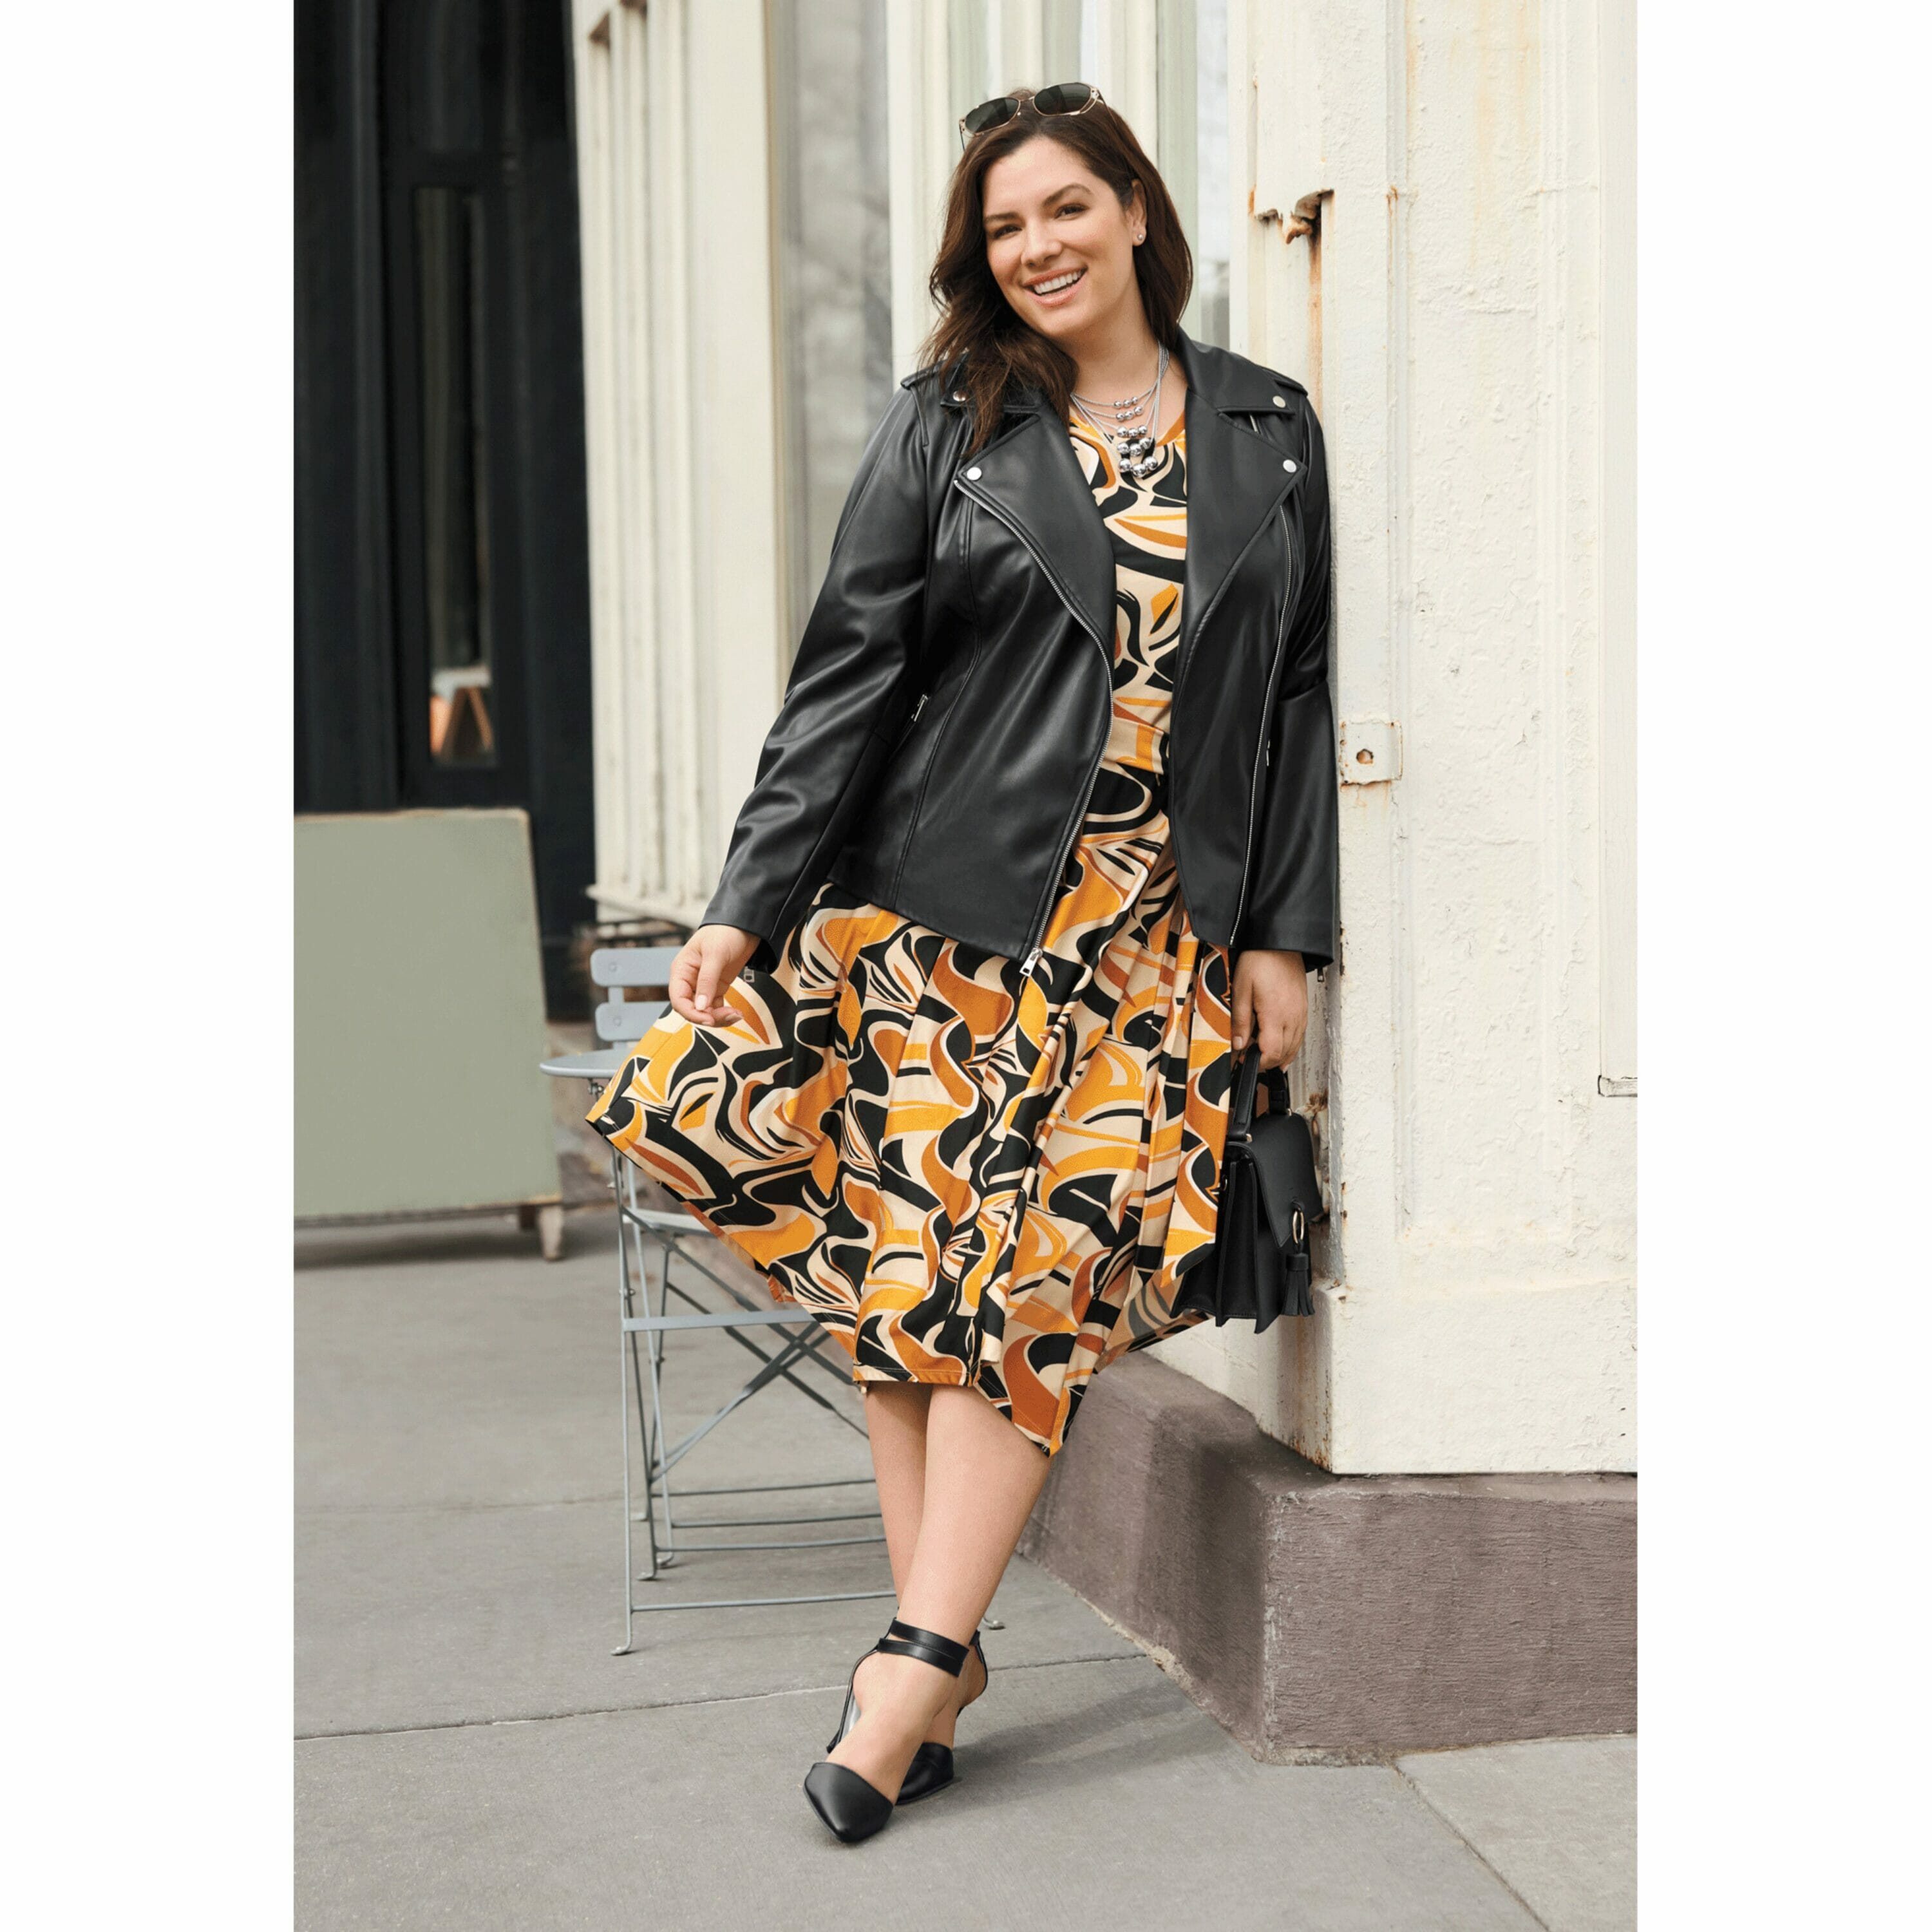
(970, 1174)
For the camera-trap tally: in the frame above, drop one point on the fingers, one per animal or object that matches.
(1288, 1039)
(1243, 1014)
(713, 1008)
(1281, 1040)
(706, 990)
(1270, 1006)
(695, 992)
(699, 978)
(683, 982)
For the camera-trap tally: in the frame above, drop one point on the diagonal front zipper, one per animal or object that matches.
(992, 509)
(905, 730)
(1268, 703)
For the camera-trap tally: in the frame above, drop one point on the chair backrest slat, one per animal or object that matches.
(633, 965)
(623, 1022)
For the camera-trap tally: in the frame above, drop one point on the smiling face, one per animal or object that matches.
(1059, 242)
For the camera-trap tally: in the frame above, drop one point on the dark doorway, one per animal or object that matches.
(442, 628)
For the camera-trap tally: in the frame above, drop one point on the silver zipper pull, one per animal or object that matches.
(920, 706)
(1028, 963)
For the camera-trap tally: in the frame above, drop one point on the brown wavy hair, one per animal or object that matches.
(978, 325)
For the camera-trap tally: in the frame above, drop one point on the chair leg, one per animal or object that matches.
(629, 1299)
(660, 1465)
(624, 1418)
(648, 1438)
(650, 1415)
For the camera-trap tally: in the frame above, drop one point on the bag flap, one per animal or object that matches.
(1283, 1151)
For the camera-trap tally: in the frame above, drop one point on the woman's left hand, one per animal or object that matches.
(1270, 1004)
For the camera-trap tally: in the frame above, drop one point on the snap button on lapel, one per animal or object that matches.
(1280, 402)
(972, 475)
(1287, 464)
(959, 396)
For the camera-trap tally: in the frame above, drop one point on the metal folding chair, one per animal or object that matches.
(676, 1237)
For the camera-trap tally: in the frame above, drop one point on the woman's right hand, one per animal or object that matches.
(702, 973)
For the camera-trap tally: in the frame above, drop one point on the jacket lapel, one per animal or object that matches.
(1030, 478)
(1234, 481)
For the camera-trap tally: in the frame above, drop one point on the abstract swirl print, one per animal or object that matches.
(970, 1174)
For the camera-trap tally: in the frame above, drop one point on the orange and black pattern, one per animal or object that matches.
(970, 1175)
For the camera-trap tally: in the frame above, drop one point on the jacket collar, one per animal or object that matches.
(1231, 383)
(1029, 476)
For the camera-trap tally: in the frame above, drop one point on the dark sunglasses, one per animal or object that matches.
(1066, 96)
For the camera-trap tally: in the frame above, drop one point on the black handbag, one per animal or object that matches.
(1258, 1268)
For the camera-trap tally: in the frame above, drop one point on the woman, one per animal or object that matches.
(949, 1058)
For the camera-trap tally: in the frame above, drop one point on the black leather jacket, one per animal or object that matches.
(949, 704)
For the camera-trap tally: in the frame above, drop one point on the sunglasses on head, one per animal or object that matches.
(1066, 96)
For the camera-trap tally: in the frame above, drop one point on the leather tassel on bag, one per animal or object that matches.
(1299, 1301)
(1259, 1267)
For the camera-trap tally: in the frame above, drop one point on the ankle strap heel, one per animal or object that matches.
(932, 1768)
(850, 1806)
(905, 1639)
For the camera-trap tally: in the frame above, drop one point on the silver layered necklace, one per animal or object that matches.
(1135, 420)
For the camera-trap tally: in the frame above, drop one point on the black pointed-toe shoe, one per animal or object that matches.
(852, 1807)
(931, 1768)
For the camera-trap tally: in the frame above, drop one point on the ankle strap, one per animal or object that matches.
(904, 1639)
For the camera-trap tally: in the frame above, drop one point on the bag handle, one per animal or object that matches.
(1248, 1078)
(1241, 1108)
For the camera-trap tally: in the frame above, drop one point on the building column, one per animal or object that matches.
(689, 651)
(1426, 242)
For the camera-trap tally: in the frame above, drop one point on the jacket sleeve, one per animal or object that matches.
(833, 730)
(1293, 903)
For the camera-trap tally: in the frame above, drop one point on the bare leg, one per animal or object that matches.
(983, 1477)
(895, 1413)
(896, 1422)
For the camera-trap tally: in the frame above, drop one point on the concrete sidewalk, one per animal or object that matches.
(470, 1752)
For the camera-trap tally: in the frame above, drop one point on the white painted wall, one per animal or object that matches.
(1476, 1067)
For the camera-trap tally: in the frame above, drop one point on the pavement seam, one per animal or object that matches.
(669, 1704)
(450, 1508)
(1462, 1839)
(539, 1503)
